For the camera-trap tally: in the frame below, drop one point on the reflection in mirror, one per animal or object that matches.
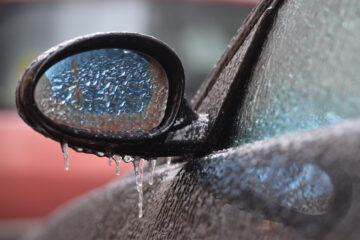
(304, 188)
(106, 90)
(301, 187)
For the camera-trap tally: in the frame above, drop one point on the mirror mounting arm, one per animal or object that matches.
(136, 107)
(186, 116)
(188, 137)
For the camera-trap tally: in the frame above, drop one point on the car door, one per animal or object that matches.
(272, 163)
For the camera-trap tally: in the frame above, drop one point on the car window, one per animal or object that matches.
(306, 75)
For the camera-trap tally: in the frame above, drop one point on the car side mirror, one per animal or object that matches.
(107, 93)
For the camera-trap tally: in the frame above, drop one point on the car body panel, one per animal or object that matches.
(205, 198)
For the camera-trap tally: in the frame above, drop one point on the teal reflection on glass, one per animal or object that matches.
(302, 187)
(99, 74)
(104, 90)
(304, 78)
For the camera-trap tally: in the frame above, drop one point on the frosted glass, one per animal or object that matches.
(108, 90)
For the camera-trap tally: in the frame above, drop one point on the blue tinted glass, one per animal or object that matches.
(105, 90)
(303, 187)
(304, 78)
(110, 80)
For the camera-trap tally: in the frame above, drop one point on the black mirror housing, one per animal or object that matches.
(147, 143)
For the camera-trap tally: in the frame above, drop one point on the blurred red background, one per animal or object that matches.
(32, 177)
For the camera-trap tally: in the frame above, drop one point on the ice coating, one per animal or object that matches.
(300, 186)
(117, 159)
(138, 168)
(152, 170)
(107, 90)
(64, 149)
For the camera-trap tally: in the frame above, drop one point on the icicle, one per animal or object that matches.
(110, 160)
(64, 149)
(117, 167)
(168, 160)
(152, 169)
(117, 159)
(138, 163)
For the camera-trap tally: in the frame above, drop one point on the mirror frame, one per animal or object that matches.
(91, 141)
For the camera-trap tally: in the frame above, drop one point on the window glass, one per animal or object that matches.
(307, 74)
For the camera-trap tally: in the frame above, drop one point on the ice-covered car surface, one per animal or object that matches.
(300, 185)
(227, 194)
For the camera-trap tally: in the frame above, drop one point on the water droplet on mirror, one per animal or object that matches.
(110, 160)
(152, 169)
(138, 168)
(64, 149)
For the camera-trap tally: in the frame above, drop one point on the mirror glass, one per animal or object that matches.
(106, 90)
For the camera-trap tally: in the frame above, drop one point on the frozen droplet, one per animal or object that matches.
(79, 149)
(117, 159)
(138, 163)
(128, 159)
(110, 160)
(64, 149)
(152, 169)
(168, 160)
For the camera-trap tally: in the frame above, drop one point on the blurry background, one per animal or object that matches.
(32, 179)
